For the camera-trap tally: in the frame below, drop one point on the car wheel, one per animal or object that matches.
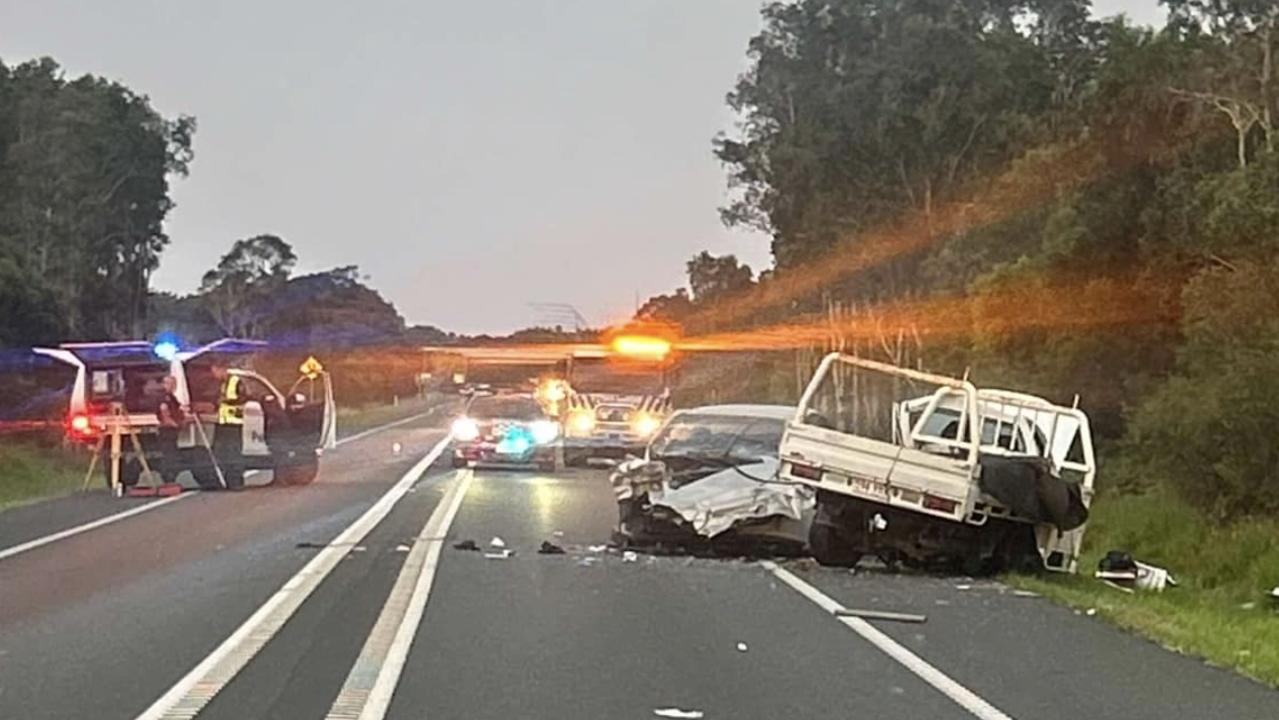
(459, 463)
(206, 478)
(829, 548)
(297, 473)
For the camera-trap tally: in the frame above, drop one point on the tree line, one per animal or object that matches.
(1051, 201)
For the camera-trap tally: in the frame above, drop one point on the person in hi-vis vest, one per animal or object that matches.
(228, 442)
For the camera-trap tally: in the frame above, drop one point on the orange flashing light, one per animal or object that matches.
(645, 346)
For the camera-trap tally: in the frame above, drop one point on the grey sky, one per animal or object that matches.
(470, 157)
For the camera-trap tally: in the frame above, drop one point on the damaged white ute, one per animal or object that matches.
(708, 483)
(950, 477)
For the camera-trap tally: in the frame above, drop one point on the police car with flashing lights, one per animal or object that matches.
(506, 429)
(121, 384)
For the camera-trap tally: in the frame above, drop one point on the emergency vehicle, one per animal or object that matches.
(121, 384)
(609, 397)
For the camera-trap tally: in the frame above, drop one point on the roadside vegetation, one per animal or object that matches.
(30, 472)
(1043, 201)
(1220, 609)
(356, 418)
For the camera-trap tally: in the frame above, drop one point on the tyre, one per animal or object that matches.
(206, 477)
(829, 548)
(458, 463)
(297, 473)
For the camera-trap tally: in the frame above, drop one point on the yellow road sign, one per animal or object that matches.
(311, 368)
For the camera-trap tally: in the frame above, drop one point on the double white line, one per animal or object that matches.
(199, 686)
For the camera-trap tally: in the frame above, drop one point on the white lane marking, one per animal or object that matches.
(199, 686)
(371, 683)
(86, 527)
(964, 697)
(63, 534)
(380, 428)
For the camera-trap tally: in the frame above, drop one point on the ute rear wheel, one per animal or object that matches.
(829, 548)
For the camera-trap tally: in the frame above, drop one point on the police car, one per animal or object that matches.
(120, 384)
(505, 429)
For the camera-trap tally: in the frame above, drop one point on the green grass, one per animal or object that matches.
(1219, 611)
(353, 419)
(29, 472)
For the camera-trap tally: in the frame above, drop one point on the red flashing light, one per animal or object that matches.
(80, 425)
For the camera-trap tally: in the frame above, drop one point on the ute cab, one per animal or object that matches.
(120, 384)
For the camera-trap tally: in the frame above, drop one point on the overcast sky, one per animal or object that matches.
(470, 157)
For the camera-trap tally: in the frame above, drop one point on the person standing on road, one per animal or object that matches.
(228, 442)
(172, 418)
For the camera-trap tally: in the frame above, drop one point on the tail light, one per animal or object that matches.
(807, 472)
(932, 502)
(80, 426)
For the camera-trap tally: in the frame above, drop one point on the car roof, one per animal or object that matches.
(775, 412)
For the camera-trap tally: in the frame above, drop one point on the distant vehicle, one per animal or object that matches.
(121, 382)
(506, 429)
(706, 482)
(617, 396)
(979, 480)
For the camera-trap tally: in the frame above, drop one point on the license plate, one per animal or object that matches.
(869, 487)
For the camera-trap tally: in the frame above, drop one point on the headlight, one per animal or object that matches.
(646, 424)
(465, 429)
(582, 421)
(544, 431)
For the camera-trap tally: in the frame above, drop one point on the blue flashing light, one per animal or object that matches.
(166, 347)
(517, 441)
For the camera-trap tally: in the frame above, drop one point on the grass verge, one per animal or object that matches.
(355, 419)
(30, 472)
(1218, 612)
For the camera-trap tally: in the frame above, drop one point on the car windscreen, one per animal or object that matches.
(720, 436)
(512, 408)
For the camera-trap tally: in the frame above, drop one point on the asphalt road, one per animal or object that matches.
(105, 623)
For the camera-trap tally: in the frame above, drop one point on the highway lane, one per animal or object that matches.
(584, 634)
(100, 624)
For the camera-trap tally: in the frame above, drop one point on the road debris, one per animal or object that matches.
(629, 556)
(597, 548)
(1090, 612)
(558, 533)
(963, 587)
(396, 448)
(497, 542)
(466, 545)
(502, 554)
(880, 615)
(402, 548)
(678, 713)
(550, 548)
(1119, 570)
(586, 562)
(741, 647)
(359, 548)
(1025, 593)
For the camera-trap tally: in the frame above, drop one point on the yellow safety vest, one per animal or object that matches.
(230, 412)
